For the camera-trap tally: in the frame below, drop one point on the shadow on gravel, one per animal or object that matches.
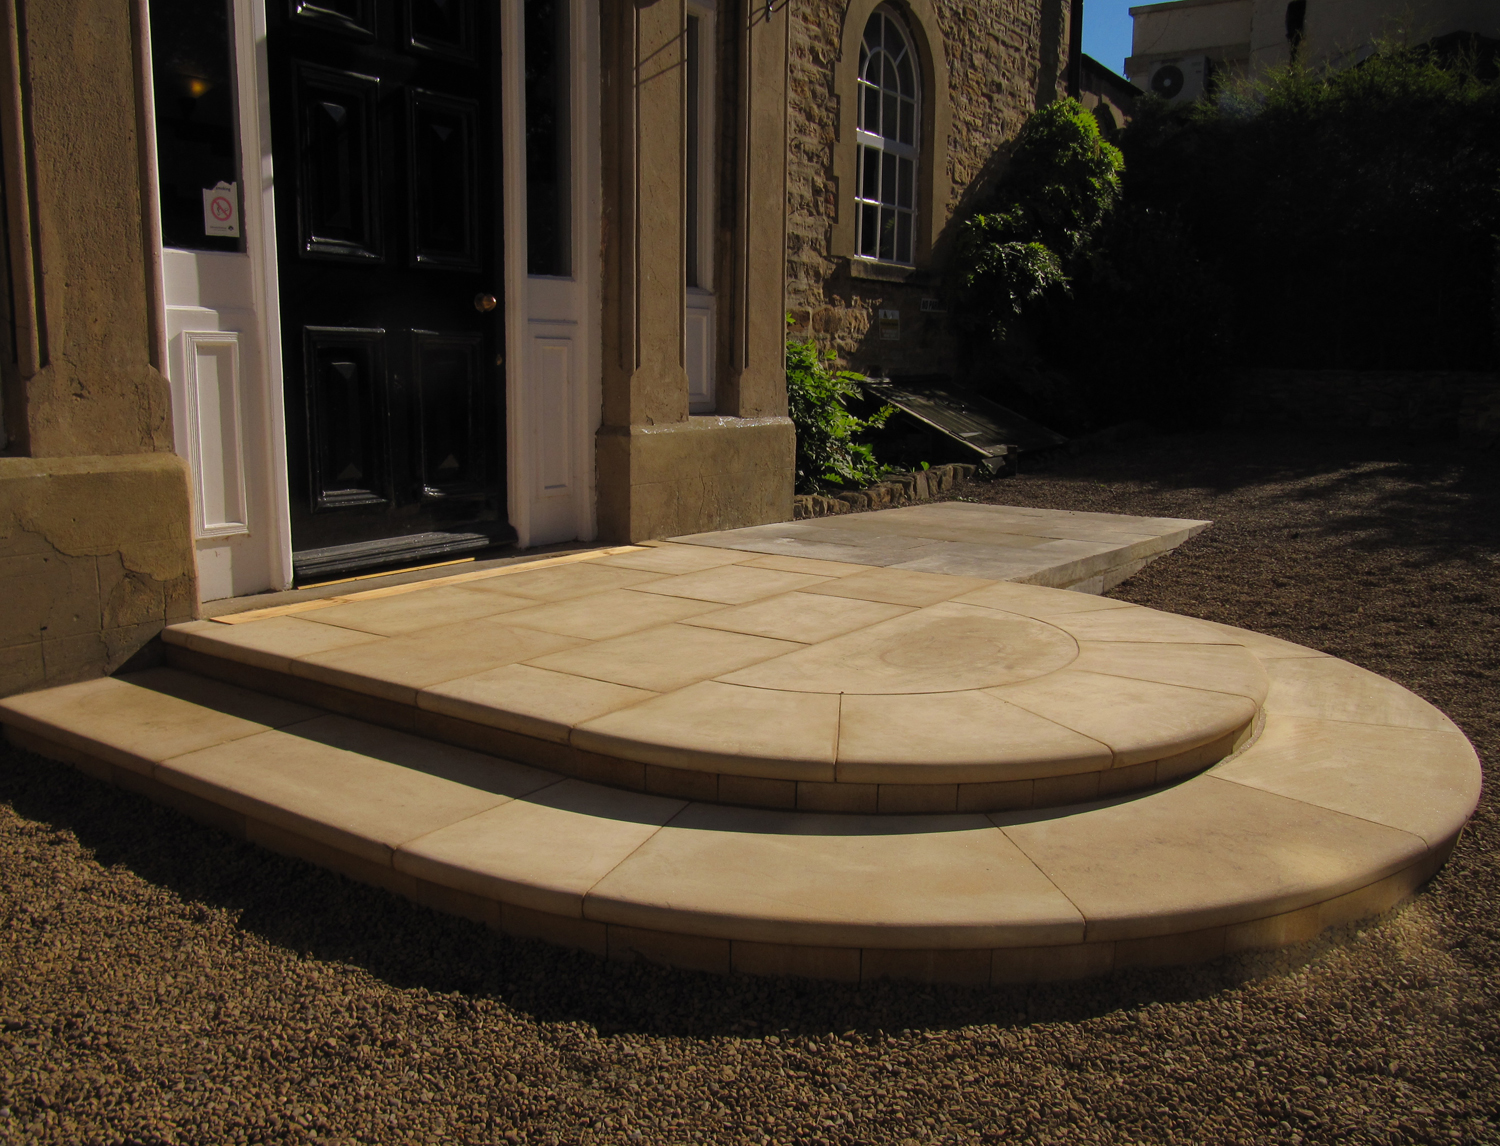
(1411, 491)
(324, 916)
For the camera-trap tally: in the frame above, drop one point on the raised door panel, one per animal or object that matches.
(339, 199)
(354, 19)
(443, 28)
(216, 454)
(347, 399)
(449, 374)
(444, 181)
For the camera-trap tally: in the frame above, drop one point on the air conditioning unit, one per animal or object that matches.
(1181, 80)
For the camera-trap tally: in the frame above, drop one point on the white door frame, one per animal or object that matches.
(553, 399)
(222, 353)
(229, 306)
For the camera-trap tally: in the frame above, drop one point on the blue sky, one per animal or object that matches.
(1106, 31)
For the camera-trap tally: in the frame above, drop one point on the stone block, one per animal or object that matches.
(693, 476)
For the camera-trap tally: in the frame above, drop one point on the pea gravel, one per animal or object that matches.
(163, 983)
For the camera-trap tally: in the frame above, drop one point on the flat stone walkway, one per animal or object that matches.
(1090, 552)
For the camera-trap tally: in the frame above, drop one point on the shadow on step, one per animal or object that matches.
(323, 916)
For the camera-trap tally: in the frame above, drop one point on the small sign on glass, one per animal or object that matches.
(221, 210)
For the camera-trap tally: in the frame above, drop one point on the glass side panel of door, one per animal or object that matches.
(197, 131)
(549, 176)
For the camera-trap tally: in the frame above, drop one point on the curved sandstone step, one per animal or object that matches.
(1351, 796)
(770, 681)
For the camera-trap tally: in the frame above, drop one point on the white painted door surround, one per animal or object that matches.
(223, 348)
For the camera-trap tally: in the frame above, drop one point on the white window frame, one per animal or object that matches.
(699, 344)
(893, 157)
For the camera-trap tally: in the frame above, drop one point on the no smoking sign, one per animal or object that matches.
(221, 210)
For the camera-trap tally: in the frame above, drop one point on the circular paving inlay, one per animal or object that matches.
(1008, 696)
(943, 648)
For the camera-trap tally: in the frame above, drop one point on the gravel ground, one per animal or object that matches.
(163, 983)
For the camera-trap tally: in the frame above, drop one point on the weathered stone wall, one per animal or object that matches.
(96, 546)
(1002, 56)
(1425, 401)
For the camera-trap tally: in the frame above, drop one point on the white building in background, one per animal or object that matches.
(1177, 47)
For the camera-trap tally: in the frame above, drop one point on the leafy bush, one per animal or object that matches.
(828, 453)
(1060, 186)
(1349, 216)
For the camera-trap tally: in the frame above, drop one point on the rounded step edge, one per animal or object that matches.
(1411, 851)
(825, 793)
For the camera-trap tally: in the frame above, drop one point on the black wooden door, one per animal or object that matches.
(387, 158)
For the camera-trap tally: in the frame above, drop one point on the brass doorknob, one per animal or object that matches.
(484, 303)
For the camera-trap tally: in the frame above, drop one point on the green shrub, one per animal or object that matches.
(1060, 186)
(828, 452)
(1349, 215)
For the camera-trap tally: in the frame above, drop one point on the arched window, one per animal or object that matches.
(887, 141)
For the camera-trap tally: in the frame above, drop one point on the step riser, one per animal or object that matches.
(969, 966)
(715, 787)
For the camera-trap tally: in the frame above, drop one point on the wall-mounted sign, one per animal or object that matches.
(221, 210)
(890, 325)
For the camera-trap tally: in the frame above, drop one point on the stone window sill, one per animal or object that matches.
(883, 272)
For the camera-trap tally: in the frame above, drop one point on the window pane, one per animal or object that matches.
(903, 183)
(893, 40)
(888, 79)
(870, 188)
(868, 230)
(197, 141)
(872, 33)
(870, 121)
(887, 233)
(904, 68)
(888, 123)
(888, 180)
(694, 159)
(908, 125)
(903, 237)
(549, 192)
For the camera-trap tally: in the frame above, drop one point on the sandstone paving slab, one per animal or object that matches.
(1142, 721)
(272, 643)
(560, 582)
(407, 613)
(1037, 600)
(1266, 648)
(1138, 624)
(733, 584)
(1002, 542)
(718, 727)
(531, 701)
(1423, 782)
(665, 658)
(1205, 854)
(1220, 668)
(353, 786)
(546, 851)
(952, 561)
(898, 586)
(673, 560)
(141, 718)
(399, 668)
(943, 648)
(803, 617)
(804, 565)
(1331, 689)
(956, 738)
(838, 881)
(612, 613)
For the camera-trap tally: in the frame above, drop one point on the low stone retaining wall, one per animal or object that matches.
(1430, 401)
(898, 489)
